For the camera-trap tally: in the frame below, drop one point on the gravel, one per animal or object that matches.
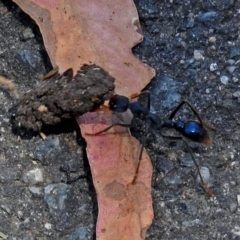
(195, 48)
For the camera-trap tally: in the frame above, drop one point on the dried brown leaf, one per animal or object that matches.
(103, 32)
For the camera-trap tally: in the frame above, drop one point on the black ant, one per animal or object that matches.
(193, 130)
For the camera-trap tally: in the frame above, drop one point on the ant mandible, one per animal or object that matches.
(193, 130)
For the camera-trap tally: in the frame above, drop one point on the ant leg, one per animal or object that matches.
(171, 137)
(204, 185)
(138, 165)
(208, 126)
(147, 127)
(106, 129)
(147, 123)
(191, 107)
(144, 139)
(144, 144)
(102, 108)
(136, 95)
(148, 100)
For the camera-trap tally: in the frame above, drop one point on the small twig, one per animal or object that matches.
(7, 83)
(50, 74)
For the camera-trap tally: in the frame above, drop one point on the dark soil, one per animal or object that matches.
(194, 47)
(64, 97)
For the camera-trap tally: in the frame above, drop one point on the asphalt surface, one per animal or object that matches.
(195, 48)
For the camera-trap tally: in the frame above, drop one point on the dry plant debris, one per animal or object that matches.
(103, 32)
(63, 97)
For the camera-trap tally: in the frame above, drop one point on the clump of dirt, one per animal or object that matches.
(63, 97)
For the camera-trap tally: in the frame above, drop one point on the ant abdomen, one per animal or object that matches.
(192, 130)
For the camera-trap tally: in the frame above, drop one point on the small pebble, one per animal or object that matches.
(212, 77)
(231, 69)
(213, 67)
(27, 34)
(205, 174)
(36, 191)
(190, 23)
(165, 166)
(30, 58)
(186, 162)
(224, 80)
(173, 180)
(45, 148)
(234, 52)
(33, 176)
(48, 226)
(55, 196)
(191, 223)
(230, 61)
(212, 39)
(212, 48)
(233, 207)
(198, 55)
(235, 79)
(19, 214)
(237, 62)
(81, 233)
(236, 94)
(211, 16)
(238, 199)
(169, 89)
(5, 208)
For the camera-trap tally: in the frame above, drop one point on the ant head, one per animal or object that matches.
(118, 103)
